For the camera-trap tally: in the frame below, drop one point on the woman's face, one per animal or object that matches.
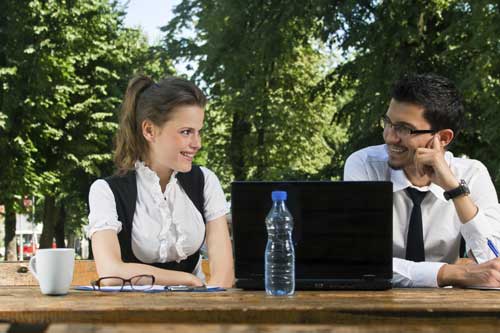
(174, 145)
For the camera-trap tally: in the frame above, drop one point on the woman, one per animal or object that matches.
(153, 216)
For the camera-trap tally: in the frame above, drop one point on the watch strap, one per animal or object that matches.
(462, 189)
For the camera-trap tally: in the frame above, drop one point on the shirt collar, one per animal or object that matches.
(400, 181)
(149, 175)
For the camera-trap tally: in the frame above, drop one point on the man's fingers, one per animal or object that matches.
(425, 156)
(430, 143)
(486, 274)
(493, 278)
(434, 143)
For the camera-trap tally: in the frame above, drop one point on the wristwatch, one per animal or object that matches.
(462, 189)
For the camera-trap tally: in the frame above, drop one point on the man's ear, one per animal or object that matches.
(445, 137)
(148, 130)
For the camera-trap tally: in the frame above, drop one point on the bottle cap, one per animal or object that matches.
(278, 195)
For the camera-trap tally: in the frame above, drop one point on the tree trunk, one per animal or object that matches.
(59, 227)
(72, 241)
(261, 149)
(239, 131)
(50, 216)
(10, 232)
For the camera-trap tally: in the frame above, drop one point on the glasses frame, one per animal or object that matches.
(96, 284)
(387, 123)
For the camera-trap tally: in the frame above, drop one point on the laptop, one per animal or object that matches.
(342, 233)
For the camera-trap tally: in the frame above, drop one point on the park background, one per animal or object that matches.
(294, 88)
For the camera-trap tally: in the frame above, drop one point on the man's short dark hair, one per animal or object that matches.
(437, 95)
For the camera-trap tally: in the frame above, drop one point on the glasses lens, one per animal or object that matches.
(108, 282)
(402, 131)
(142, 282)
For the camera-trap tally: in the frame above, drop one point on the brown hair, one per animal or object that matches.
(146, 100)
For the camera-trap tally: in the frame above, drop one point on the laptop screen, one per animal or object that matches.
(342, 230)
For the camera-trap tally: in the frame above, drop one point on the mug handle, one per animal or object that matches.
(32, 266)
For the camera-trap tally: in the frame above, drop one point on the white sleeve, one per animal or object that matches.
(102, 206)
(215, 201)
(354, 168)
(410, 274)
(486, 224)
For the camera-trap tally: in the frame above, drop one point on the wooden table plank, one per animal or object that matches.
(240, 328)
(16, 273)
(27, 304)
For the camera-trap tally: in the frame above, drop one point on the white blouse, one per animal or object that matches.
(166, 225)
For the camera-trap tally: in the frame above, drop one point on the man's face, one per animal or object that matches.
(401, 147)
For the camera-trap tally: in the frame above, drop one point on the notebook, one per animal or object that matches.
(342, 233)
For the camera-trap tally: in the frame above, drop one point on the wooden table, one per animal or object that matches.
(354, 311)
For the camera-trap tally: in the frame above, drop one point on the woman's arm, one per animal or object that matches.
(107, 255)
(220, 253)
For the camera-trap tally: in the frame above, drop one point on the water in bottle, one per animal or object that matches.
(280, 254)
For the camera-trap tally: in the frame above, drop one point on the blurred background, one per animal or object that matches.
(294, 88)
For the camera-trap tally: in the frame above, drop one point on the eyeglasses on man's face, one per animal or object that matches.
(138, 282)
(402, 130)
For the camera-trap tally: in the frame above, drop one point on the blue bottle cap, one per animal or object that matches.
(278, 195)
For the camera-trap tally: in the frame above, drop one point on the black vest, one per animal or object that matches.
(125, 191)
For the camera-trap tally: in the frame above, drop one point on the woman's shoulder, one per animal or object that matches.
(206, 171)
(209, 175)
(99, 184)
(100, 187)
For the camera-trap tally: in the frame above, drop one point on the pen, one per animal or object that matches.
(194, 289)
(493, 248)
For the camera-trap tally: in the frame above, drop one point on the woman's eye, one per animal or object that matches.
(185, 132)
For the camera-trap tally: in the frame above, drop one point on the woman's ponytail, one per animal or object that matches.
(130, 145)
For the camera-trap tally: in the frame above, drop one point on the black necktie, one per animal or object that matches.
(415, 240)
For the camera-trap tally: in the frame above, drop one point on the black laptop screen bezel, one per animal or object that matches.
(358, 243)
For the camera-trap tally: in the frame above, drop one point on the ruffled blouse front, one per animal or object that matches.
(166, 226)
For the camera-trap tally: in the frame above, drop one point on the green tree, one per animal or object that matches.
(64, 70)
(17, 167)
(261, 64)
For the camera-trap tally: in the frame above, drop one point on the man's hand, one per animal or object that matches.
(484, 275)
(465, 261)
(430, 161)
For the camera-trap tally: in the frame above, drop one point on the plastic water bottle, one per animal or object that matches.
(280, 255)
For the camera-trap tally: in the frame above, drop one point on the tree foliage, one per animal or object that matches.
(63, 68)
(260, 65)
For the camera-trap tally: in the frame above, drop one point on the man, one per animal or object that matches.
(438, 198)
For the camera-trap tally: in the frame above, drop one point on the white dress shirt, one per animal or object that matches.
(166, 225)
(441, 225)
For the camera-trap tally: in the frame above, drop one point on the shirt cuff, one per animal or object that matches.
(476, 233)
(424, 274)
(89, 231)
(415, 274)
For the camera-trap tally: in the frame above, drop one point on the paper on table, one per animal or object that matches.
(483, 288)
(155, 289)
(202, 289)
(126, 288)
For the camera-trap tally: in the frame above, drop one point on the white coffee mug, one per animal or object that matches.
(53, 268)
